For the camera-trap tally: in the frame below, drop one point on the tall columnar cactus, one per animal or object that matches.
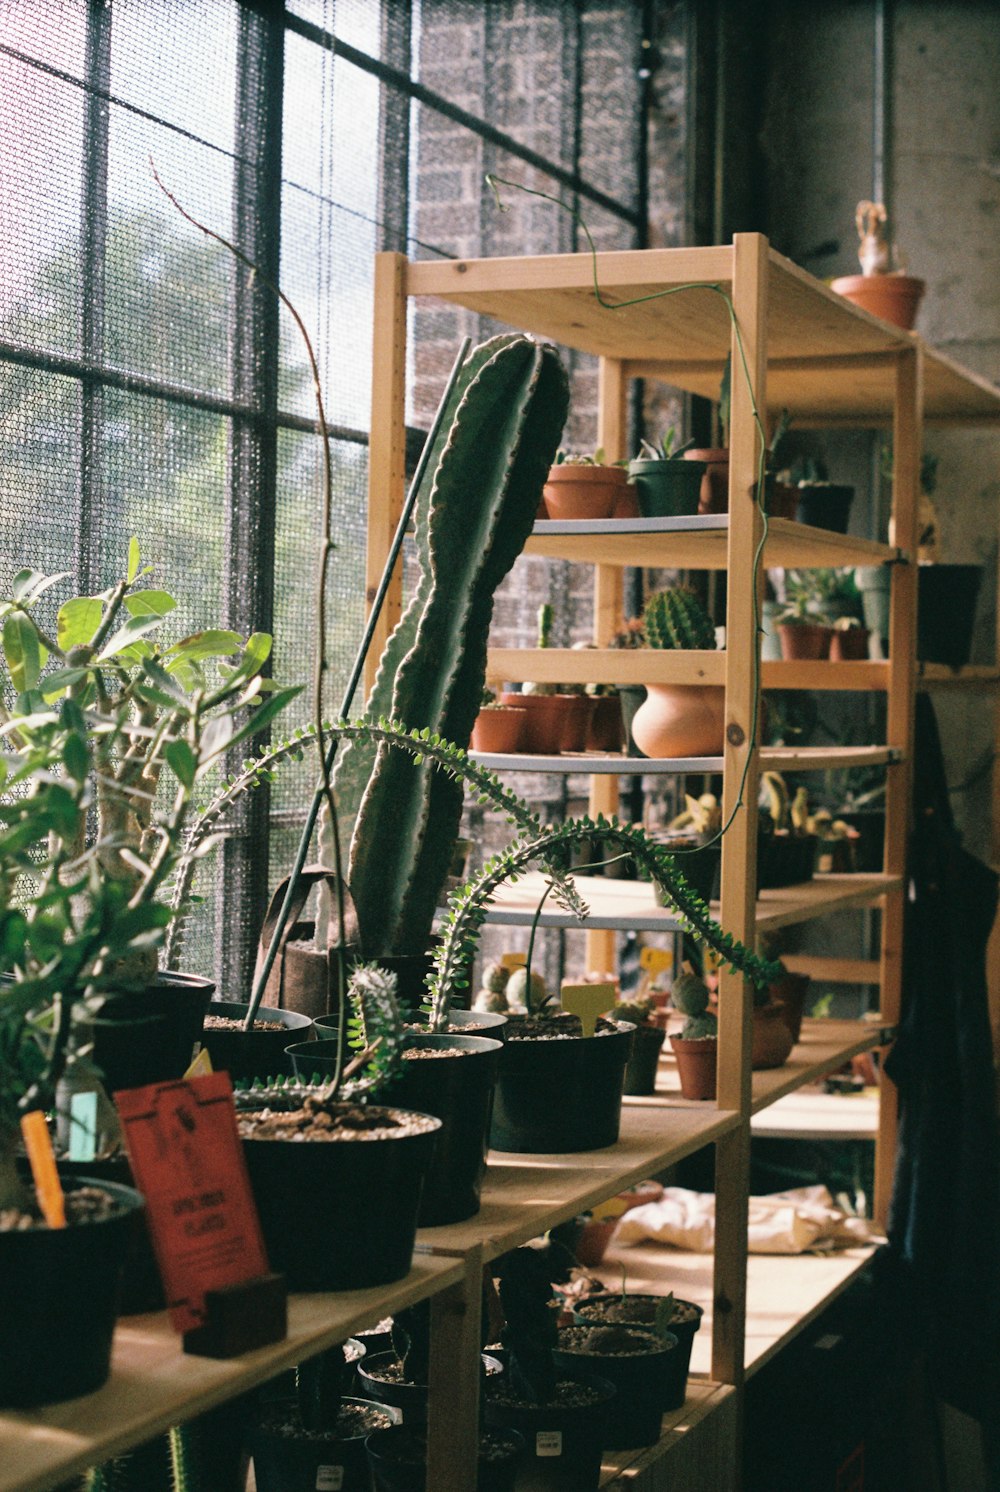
(676, 619)
(474, 513)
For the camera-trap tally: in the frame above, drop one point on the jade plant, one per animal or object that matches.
(676, 618)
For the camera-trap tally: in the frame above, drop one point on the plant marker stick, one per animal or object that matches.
(41, 1157)
(352, 684)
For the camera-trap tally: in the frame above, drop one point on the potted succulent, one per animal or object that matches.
(891, 294)
(584, 486)
(693, 834)
(660, 1313)
(640, 1070)
(679, 719)
(696, 1045)
(786, 850)
(803, 624)
(666, 485)
(498, 726)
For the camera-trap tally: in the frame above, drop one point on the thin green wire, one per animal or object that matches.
(494, 181)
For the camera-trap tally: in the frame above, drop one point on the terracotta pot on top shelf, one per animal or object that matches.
(543, 722)
(789, 992)
(583, 492)
(498, 729)
(895, 298)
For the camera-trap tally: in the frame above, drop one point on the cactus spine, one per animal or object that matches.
(677, 619)
(473, 515)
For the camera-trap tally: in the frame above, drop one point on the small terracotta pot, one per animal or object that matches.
(498, 729)
(893, 297)
(772, 1040)
(543, 721)
(850, 645)
(804, 640)
(681, 720)
(696, 1063)
(606, 731)
(789, 992)
(577, 715)
(627, 505)
(715, 483)
(573, 492)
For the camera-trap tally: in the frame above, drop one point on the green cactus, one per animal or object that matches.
(474, 513)
(495, 977)
(675, 618)
(690, 996)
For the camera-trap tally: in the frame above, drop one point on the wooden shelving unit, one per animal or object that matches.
(829, 364)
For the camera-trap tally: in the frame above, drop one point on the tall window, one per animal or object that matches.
(148, 385)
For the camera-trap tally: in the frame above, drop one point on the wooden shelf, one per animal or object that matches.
(825, 1045)
(809, 1114)
(973, 677)
(781, 758)
(697, 543)
(829, 362)
(657, 666)
(525, 1195)
(784, 1291)
(153, 1385)
(630, 906)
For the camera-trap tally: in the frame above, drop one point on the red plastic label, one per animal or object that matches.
(188, 1163)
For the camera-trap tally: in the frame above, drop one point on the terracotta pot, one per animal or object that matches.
(780, 501)
(681, 720)
(893, 297)
(627, 505)
(498, 729)
(606, 731)
(789, 992)
(543, 720)
(573, 492)
(577, 715)
(696, 1061)
(772, 1040)
(849, 645)
(715, 482)
(804, 640)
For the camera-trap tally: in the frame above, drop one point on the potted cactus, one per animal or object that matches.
(498, 726)
(666, 485)
(696, 1045)
(679, 719)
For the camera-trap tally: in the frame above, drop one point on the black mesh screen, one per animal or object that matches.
(148, 385)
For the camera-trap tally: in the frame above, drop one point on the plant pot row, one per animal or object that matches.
(547, 724)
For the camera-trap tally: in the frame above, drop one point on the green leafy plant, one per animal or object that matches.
(676, 618)
(665, 448)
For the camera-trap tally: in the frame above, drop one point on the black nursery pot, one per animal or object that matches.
(410, 1399)
(677, 1364)
(563, 1443)
(58, 1304)
(785, 859)
(141, 1288)
(246, 1055)
(641, 1068)
(636, 1412)
(398, 1460)
(288, 1462)
(456, 1090)
(488, 1023)
(150, 1035)
(556, 1097)
(946, 612)
(340, 1214)
(825, 506)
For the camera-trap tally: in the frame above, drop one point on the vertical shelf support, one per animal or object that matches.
(906, 445)
(387, 444)
(453, 1387)
(739, 847)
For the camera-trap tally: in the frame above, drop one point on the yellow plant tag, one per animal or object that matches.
(588, 1001)
(201, 1065)
(513, 961)
(655, 960)
(48, 1187)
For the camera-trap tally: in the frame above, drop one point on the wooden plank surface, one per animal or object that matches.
(809, 1114)
(653, 666)
(153, 1385)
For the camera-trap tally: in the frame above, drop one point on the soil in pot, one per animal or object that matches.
(772, 1038)
(681, 720)
(383, 1379)
(640, 1310)
(642, 1065)
(289, 1458)
(151, 1035)
(559, 1091)
(488, 1023)
(667, 489)
(398, 1460)
(825, 505)
(451, 1077)
(804, 640)
(337, 1187)
(634, 1360)
(59, 1294)
(498, 730)
(588, 492)
(259, 1053)
(564, 1438)
(696, 1065)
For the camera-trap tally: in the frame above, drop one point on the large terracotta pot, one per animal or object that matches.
(893, 297)
(573, 492)
(772, 1040)
(715, 482)
(681, 720)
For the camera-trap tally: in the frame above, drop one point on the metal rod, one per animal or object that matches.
(352, 684)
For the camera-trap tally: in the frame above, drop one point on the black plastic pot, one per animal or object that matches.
(340, 1215)
(555, 1097)
(700, 865)
(635, 1415)
(246, 1055)
(456, 1090)
(58, 1303)
(299, 1463)
(398, 1461)
(642, 1065)
(677, 1364)
(150, 1036)
(946, 612)
(141, 1288)
(667, 489)
(564, 1444)
(409, 1398)
(869, 845)
(785, 859)
(825, 505)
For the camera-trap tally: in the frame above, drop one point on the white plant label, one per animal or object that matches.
(548, 1443)
(329, 1478)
